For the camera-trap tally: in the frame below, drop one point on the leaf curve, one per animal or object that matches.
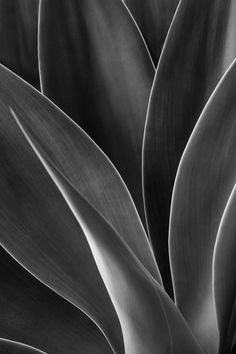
(224, 271)
(153, 18)
(31, 313)
(10, 347)
(95, 66)
(204, 181)
(37, 227)
(82, 162)
(198, 49)
(134, 293)
(18, 38)
(89, 171)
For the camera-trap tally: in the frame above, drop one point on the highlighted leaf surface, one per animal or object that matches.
(95, 66)
(199, 48)
(204, 181)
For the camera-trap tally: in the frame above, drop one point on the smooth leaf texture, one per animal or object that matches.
(153, 18)
(44, 234)
(199, 48)
(134, 293)
(36, 226)
(10, 347)
(82, 162)
(18, 38)
(33, 314)
(224, 275)
(204, 181)
(95, 66)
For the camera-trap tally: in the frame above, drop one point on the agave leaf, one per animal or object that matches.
(204, 181)
(18, 38)
(198, 50)
(44, 243)
(36, 226)
(95, 66)
(31, 313)
(134, 293)
(82, 162)
(224, 269)
(153, 18)
(10, 347)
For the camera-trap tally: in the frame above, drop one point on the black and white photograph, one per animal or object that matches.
(118, 176)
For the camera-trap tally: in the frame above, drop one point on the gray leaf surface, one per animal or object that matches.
(204, 181)
(224, 271)
(133, 291)
(153, 17)
(33, 314)
(95, 66)
(199, 48)
(11, 347)
(18, 38)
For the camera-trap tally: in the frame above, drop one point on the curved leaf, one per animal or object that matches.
(31, 313)
(82, 162)
(153, 18)
(224, 275)
(134, 293)
(36, 226)
(31, 231)
(95, 66)
(18, 38)
(10, 347)
(198, 50)
(204, 181)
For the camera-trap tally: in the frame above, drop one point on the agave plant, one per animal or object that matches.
(117, 179)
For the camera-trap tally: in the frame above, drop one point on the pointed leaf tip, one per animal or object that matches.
(204, 181)
(198, 50)
(95, 66)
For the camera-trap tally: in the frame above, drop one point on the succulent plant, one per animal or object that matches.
(117, 176)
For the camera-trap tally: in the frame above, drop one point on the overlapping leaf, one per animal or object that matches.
(134, 293)
(39, 230)
(7, 347)
(95, 66)
(153, 18)
(224, 276)
(82, 162)
(36, 226)
(18, 38)
(33, 314)
(204, 181)
(199, 48)
(65, 213)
